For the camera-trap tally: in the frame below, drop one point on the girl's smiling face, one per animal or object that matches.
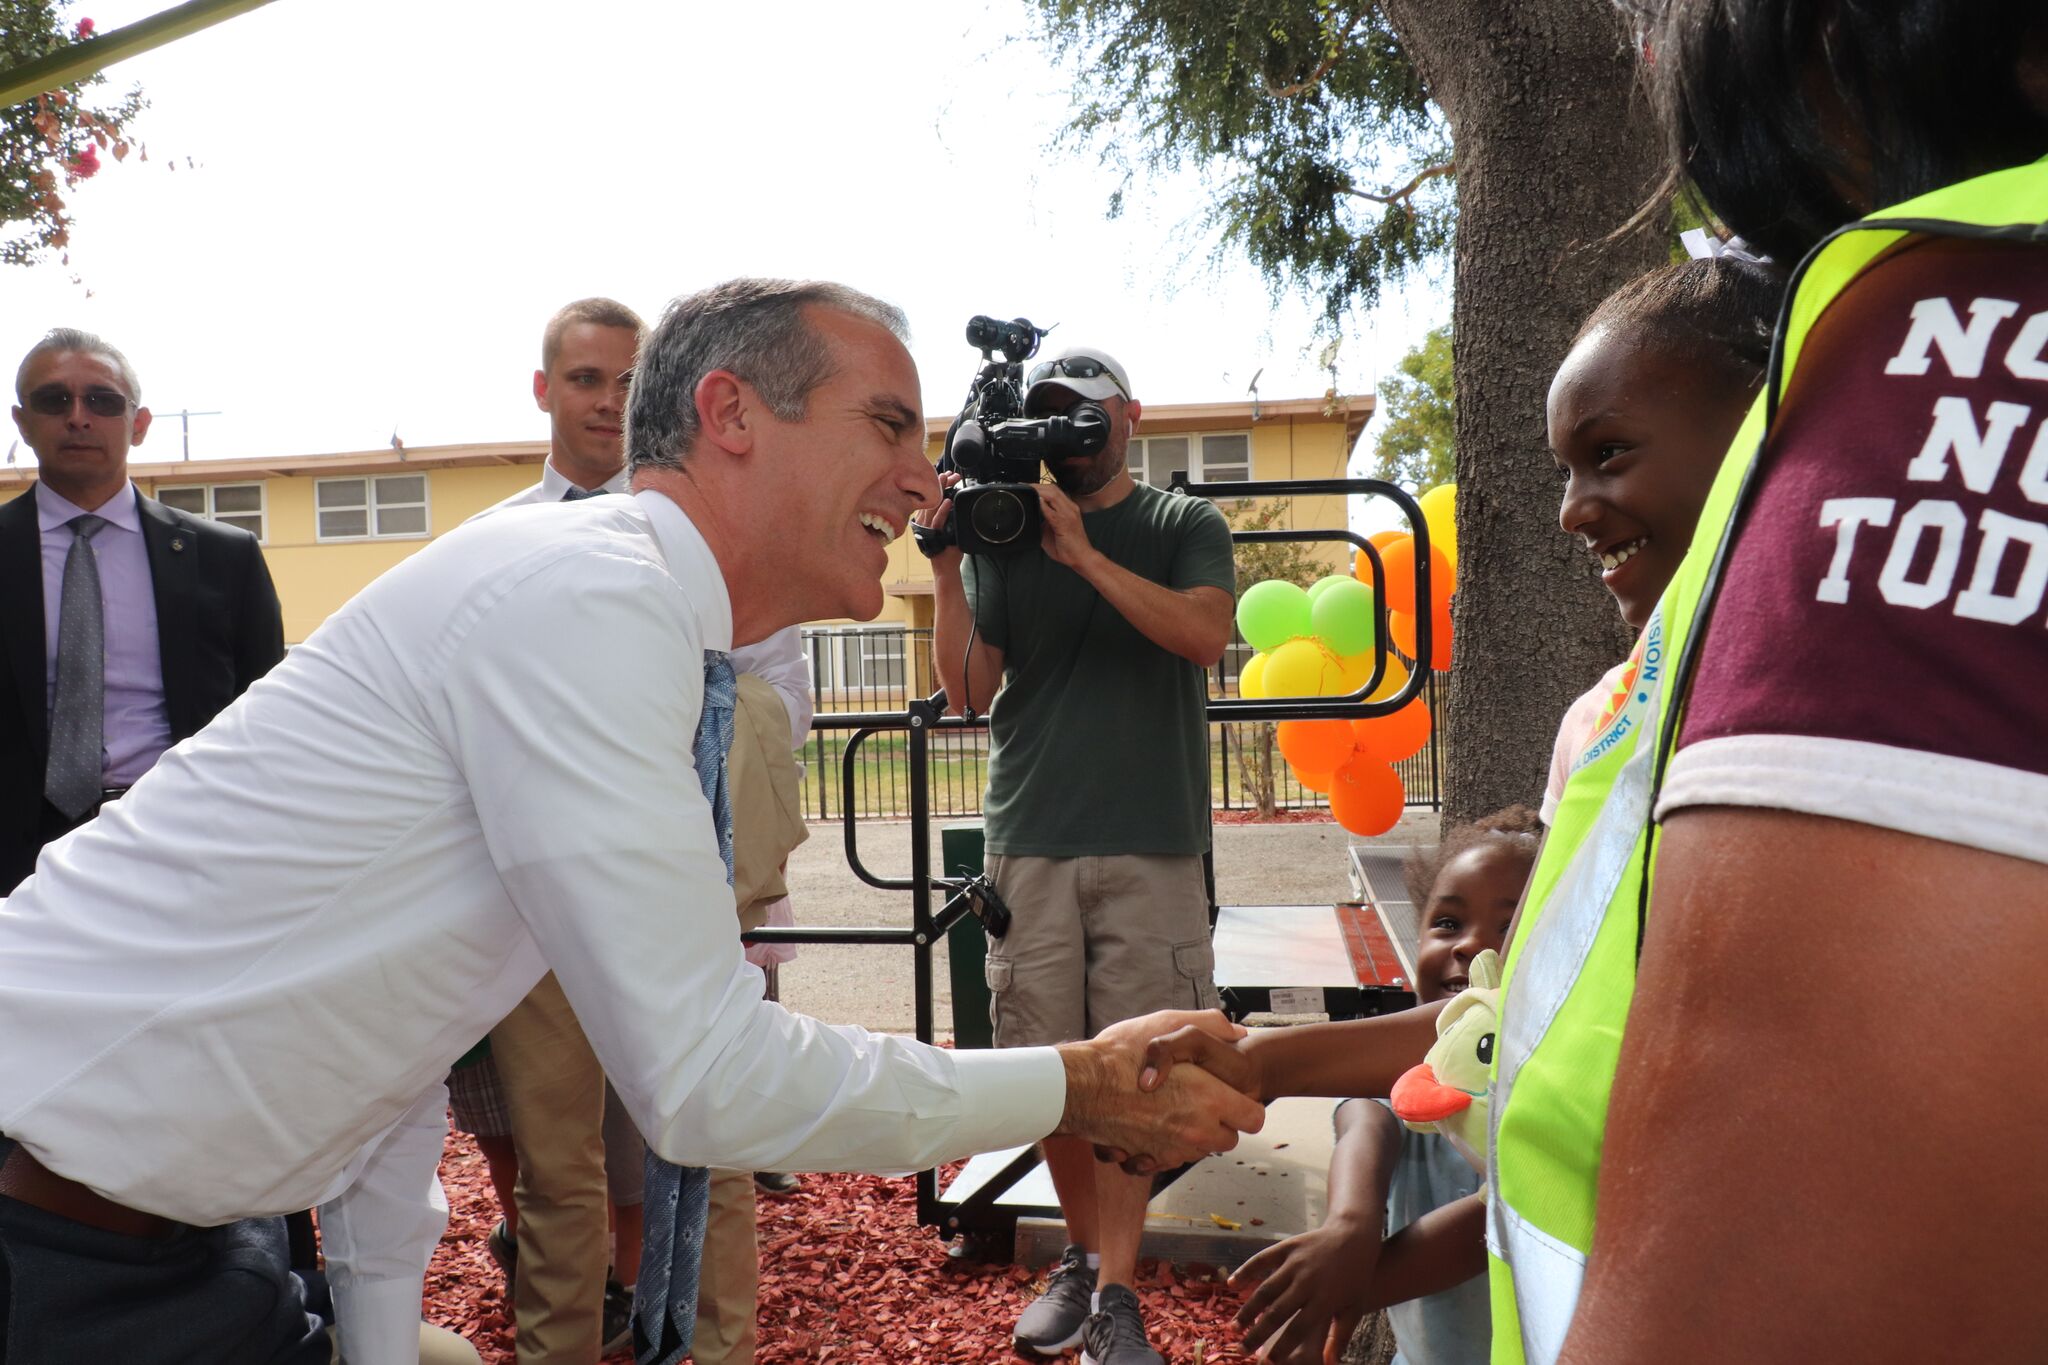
(1638, 431)
(1469, 911)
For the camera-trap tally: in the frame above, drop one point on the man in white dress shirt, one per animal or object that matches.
(578, 1158)
(237, 991)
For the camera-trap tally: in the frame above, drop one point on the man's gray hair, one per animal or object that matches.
(755, 329)
(72, 339)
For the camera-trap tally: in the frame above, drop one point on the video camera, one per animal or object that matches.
(998, 451)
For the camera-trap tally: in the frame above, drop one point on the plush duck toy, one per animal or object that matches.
(1448, 1093)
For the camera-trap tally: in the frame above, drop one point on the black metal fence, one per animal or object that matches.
(879, 668)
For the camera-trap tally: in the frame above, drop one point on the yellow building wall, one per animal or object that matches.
(315, 577)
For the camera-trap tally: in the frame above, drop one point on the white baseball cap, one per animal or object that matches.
(1082, 370)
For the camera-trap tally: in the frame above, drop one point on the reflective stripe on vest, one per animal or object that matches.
(1571, 972)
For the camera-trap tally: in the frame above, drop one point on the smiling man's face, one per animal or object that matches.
(83, 455)
(850, 470)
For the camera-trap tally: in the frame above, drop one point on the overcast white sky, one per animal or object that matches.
(389, 197)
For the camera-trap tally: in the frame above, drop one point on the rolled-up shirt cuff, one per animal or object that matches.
(1009, 1097)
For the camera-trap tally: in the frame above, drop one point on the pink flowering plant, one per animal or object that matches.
(51, 144)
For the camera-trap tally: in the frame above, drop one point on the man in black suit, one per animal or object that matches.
(127, 625)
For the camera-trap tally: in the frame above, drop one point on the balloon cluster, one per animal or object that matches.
(1318, 642)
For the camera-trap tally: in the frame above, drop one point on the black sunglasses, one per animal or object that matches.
(1076, 367)
(54, 400)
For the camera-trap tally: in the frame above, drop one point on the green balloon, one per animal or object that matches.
(1272, 613)
(1342, 616)
(1323, 585)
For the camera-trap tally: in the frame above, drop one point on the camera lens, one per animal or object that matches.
(998, 516)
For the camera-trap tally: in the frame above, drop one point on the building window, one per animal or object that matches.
(1227, 456)
(235, 504)
(874, 659)
(1207, 458)
(389, 505)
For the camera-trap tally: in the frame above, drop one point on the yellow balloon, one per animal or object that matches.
(1251, 679)
(1356, 670)
(1295, 669)
(1439, 510)
(1396, 679)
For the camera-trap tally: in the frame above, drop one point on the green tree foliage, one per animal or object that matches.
(1329, 167)
(1417, 437)
(1258, 561)
(51, 143)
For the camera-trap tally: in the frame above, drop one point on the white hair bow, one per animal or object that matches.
(1702, 245)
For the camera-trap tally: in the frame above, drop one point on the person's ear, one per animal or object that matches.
(141, 427)
(726, 414)
(540, 390)
(1134, 408)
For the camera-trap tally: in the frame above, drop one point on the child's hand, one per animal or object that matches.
(1313, 1296)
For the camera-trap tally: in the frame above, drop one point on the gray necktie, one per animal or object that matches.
(78, 715)
(576, 494)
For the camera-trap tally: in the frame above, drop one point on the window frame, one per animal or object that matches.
(210, 512)
(1198, 465)
(372, 508)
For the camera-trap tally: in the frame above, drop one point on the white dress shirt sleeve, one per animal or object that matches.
(379, 1233)
(571, 708)
(779, 661)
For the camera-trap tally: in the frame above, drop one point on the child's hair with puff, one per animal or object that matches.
(1518, 827)
(1719, 311)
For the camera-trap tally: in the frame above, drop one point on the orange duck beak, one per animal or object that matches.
(1420, 1098)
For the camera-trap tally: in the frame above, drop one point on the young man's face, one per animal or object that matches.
(1469, 911)
(83, 454)
(852, 469)
(584, 394)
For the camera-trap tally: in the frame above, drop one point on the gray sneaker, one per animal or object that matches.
(1052, 1324)
(1115, 1335)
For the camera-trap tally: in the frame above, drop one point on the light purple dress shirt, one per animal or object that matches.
(138, 727)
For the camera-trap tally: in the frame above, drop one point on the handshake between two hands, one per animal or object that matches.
(1162, 1090)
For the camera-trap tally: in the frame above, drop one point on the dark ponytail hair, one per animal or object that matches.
(1719, 311)
(1754, 95)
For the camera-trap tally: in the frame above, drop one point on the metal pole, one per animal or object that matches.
(72, 64)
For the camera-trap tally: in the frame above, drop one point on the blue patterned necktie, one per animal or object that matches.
(678, 1197)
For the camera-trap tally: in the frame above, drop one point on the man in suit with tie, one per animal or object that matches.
(147, 622)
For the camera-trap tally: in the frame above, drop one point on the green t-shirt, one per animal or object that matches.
(1098, 741)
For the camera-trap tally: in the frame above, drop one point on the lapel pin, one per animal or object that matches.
(177, 543)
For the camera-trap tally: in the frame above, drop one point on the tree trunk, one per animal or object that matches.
(1554, 152)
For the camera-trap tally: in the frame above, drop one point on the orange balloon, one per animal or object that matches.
(1319, 783)
(1361, 567)
(1393, 738)
(1316, 746)
(1366, 796)
(1401, 630)
(1399, 561)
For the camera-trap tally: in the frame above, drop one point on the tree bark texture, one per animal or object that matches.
(1555, 150)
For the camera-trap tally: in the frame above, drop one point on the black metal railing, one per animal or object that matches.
(882, 668)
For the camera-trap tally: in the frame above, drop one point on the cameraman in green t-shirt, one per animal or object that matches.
(1088, 654)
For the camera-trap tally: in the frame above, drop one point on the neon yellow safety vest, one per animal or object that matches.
(1572, 968)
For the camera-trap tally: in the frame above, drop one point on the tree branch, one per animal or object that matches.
(1325, 66)
(1407, 191)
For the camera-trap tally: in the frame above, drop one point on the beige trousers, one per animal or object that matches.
(729, 1282)
(555, 1091)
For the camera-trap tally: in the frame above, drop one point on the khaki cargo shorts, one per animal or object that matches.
(1094, 941)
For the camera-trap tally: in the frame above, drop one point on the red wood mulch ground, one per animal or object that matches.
(847, 1275)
